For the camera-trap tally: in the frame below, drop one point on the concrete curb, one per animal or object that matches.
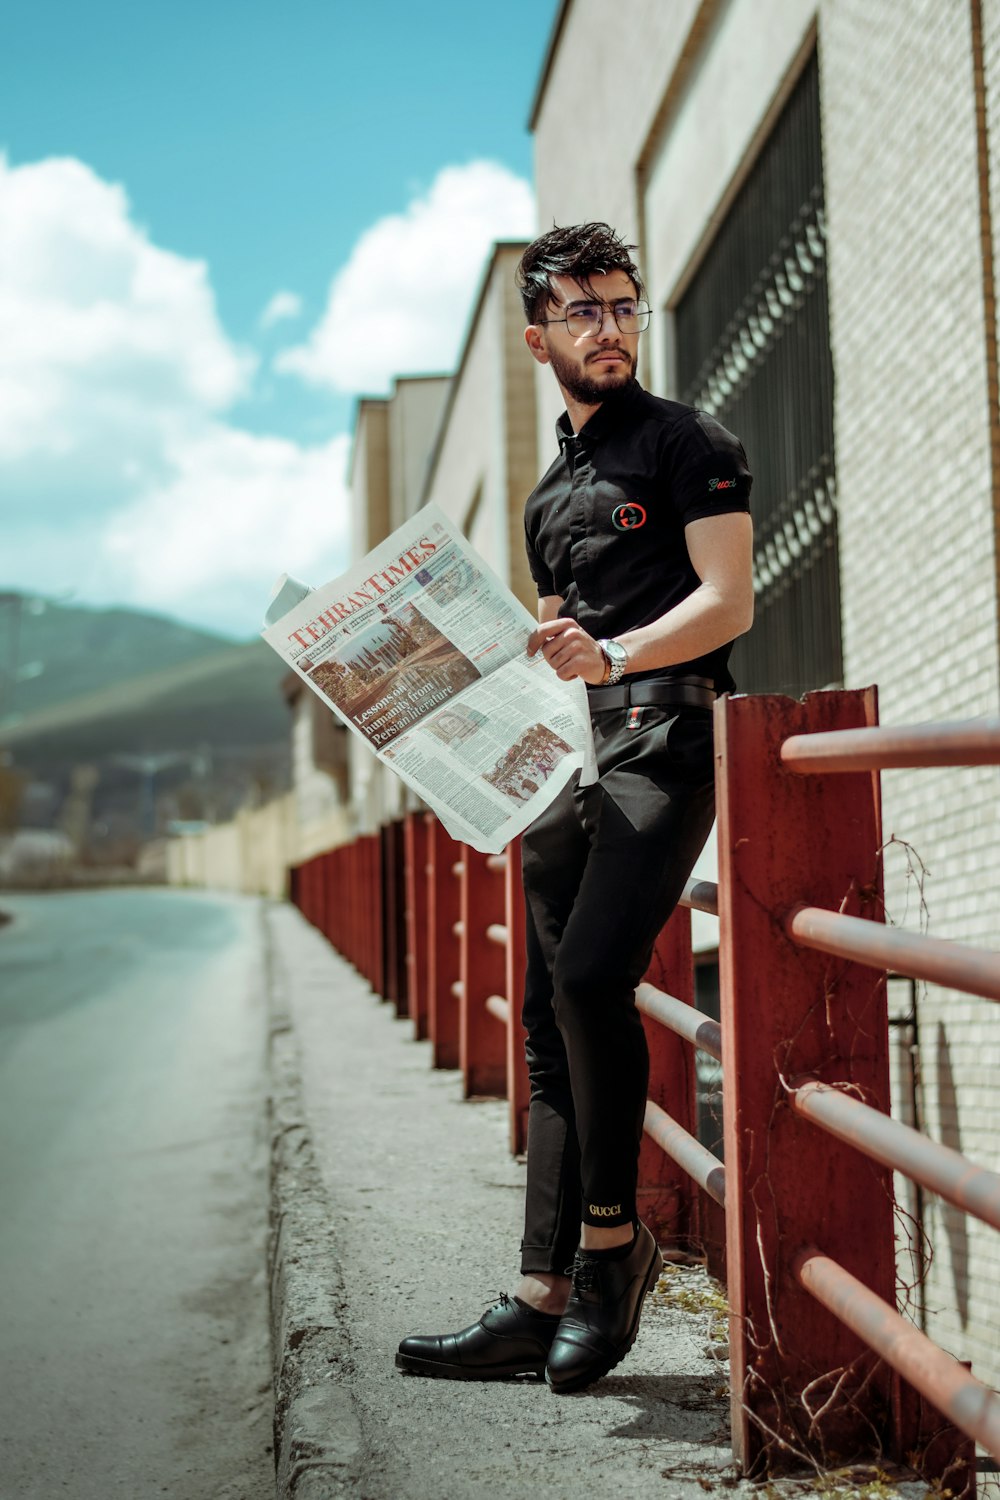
(318, 1442)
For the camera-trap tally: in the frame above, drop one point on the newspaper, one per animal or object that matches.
(420, 650)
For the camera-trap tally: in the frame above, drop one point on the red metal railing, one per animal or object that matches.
(822, 1363)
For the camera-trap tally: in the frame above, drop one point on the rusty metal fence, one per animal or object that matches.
(798, 1218)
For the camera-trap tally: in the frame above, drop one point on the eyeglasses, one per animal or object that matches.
(585, 319)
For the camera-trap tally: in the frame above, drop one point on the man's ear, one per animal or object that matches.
(534, 340)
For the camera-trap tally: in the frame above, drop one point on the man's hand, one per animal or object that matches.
(569, 650)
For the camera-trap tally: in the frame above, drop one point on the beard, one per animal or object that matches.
(591, 390)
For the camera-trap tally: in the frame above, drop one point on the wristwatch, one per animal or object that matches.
(617, 659)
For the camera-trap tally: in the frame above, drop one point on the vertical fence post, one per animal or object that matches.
(482, 1043)
(338, 907)
(415, 848)
(396, 942)
(387, 903)
(393, 946)
(314, 891)
(331, 900)
(786, 1011)
(363, 900)
(442, 957)
(376, 916)
(515, 962)
(353, 924)
(305, 889)
(666, 1194)
(325, 863)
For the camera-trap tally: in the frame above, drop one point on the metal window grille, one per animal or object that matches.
(752, 342)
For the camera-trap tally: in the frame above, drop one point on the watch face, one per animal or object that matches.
(617, 653)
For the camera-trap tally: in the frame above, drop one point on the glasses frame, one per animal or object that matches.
(642, 310)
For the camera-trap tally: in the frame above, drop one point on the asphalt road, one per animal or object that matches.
(133, 1198)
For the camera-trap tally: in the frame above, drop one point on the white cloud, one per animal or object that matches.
(400, 304)
(282, 305)
(106, 341)
(119, 478)
(238, 510)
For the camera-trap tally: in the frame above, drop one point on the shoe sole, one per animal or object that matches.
(410, 1364)
(580, 1382)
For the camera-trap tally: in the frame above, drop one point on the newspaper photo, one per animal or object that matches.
(420, 650)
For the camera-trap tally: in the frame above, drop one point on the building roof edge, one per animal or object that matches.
(548, 60)
(496, 250)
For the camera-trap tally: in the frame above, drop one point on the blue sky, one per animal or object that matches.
(220, 223)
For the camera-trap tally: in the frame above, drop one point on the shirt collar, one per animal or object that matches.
(604, 418)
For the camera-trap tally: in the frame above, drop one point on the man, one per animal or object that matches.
(639, 540)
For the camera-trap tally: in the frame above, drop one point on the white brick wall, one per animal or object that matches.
(918, 546)
(916, 535)
(485, 463)
(601, 99)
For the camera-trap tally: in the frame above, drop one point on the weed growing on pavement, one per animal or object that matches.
(850, 1484)
(690, 1289)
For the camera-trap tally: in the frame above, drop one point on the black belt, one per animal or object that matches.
(686, 692)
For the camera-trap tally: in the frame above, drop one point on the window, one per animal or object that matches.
(752, 342)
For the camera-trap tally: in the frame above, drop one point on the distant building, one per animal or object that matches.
(319, 765)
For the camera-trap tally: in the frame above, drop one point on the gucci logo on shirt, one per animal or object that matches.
(628, 517)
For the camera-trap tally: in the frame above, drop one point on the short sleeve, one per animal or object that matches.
(708, 470)
(544, 581)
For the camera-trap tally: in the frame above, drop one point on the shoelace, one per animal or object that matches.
(498, 1299)
(585, 1273)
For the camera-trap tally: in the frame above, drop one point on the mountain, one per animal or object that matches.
(50, 653)
(134, 720)
(227, 699)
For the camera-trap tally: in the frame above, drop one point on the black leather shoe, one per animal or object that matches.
(601, 1319)
(509, 1339)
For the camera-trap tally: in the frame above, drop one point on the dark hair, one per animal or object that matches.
(580, 251)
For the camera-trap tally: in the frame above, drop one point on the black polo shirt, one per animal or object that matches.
(605, 526)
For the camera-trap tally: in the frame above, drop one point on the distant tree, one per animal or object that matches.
(11, 797)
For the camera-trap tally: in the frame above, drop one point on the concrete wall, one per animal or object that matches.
(661, 156)
(601, 100)
(592, 124)
(318, 795)
(253, 852)
(414, 411)
(485, 461)
(393, 439)
(369, 476)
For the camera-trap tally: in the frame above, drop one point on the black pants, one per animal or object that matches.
(603, 869)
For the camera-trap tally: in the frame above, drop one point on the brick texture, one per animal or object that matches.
(913, 438)
(918, 560)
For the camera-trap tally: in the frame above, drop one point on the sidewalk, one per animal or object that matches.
(400, 1211)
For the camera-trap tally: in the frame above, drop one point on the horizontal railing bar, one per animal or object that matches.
(975, 1190)
(885, 747)
(976, 971)
(499, 1007)
(458, 929)
(687, 1022)
(497, 933)
(945, 1383)
(458, 989)
(497, 863)
(701, 895)
(680, 1145)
